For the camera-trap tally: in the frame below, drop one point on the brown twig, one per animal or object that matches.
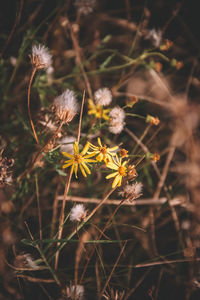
(29, 111)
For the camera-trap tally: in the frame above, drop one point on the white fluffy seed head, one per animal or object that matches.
(132, 191)
(116, 127)
(75, 292)
(67, 144)
(40, 57)
(117, 114)
(85, 7)
(103, 96)
(66, 106)
(78, 213)
(155, 36)
(116, 120)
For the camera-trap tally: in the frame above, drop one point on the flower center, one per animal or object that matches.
(122, 170)
(103, 150)
(77, 158)
(98, 112)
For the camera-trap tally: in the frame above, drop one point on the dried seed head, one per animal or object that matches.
(66, 106)
(155, 36)
(40, 57)
(78, 213)
(103, 96)
(24, 261)
(75, 292)
(132, 191)
(85, 7)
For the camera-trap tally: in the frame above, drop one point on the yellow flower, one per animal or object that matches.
(103, 152)
(79, 159)
(97, 110)
(120, 168)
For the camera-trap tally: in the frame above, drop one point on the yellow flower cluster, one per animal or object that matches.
(98, 110)
(101, 153)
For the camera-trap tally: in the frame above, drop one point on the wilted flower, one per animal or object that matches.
(40, 57)
(132, 191)
(85, 7)
(123, 153)
(152, 120)
(78, 213)
(66, 106)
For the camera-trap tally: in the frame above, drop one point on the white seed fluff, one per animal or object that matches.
(116, 127)
(103, 96)
(67, 144)
(40, 57)
(78, 213)
(155, 36)
(85, 7)
(66, 106)
(132, 191)
(117, 114)
(116, 121)
(75, 292)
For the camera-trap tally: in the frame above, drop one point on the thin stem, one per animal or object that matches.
(81, 115)
(62, 216)
(39, 209)
(29, 111)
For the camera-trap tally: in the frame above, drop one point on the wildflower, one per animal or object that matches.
(67, 144)
(85, 7)
(75, 292)
(66, 106)
(116, 121)
(78, 213)
(79, 159)
(152, 120)
(40, 57)
(103, 152)
(97, 110)
(123, 153)
(132, 191)
(103, 96)
(155, 36)
(120, 170)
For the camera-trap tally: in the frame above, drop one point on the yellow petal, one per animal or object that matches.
(86, 168)
(99, 142)
(76, 148)
(111, 175)
(67, 164)
(83, 171)
(89, 160)
(90, 155)
(112, 166)
(116, 181)
(67, 155)
(85, 149)
(99, 157)
(75, 170)
(113, 148)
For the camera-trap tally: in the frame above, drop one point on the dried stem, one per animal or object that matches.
(29, 111)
